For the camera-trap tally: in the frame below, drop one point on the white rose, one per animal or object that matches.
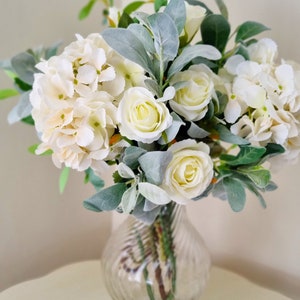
(263, 52)
(194, 16)
(190, 171)
(192, 99)
(141, 117)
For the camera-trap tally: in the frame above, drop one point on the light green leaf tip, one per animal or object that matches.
(63, 179)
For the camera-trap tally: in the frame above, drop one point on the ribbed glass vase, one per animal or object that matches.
(163, 261)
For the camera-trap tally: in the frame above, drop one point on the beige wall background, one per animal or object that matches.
(41, 229)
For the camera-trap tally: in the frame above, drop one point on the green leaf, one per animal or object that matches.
(171, 132)
(63, 179)
(143, 35)
(176, 10)
(247, 183)
(7, 93)
(259, 175)
(226, 136)
(24, 65)
(128, 45)
(133, 6)
(86, 10)
(154, 165)
(28, 120)
(32, 149)
(247, 155)
(153, 193)
(249, 29)
(197, 132)
(131, 156)
(191, 52)
(222, 7)
(95, 180)
(21, 110)
(215, 31)
(159, 3)
(232, 190)
(200, 3)
(166, 40)
(129, 199)
(22, 86)
(273, 150)
(147, 217)
(52, 50)
(106, 199)
(125, 20)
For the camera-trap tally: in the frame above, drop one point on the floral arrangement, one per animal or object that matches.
(165, 100)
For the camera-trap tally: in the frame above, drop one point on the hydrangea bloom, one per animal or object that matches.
(75, 101)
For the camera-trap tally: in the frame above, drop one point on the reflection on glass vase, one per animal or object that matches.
(163, 261)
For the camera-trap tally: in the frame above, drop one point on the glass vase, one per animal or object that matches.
(166, 260)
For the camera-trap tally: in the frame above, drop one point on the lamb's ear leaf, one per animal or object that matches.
(125, 42)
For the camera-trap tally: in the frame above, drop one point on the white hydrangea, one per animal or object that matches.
(264, 98)
(75, 101)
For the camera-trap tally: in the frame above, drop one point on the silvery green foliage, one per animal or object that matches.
(21, 68)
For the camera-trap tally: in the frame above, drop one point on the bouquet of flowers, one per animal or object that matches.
(178, 103)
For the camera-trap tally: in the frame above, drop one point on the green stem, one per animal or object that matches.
(145, 271)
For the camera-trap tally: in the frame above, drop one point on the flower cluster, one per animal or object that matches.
(264, 98)
(162, 99)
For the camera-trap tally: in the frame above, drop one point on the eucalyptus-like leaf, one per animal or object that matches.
(148, 217)
(125, 171)
(154, 165)
(235, 193)
(171, 132)
(152, 86)
(7, 93)
(106, 199)
(129, 199)
(153, 193)
(191, 52)
(226, 136)
(200, 3)
(143, 34)
(223, 9)
(272, 150)
(176, 10)
(24, 65)
(251, 186)
(63, 179)
(21, 110)
(197, 132)
(248, 30)
(166, 41)
(52, 50)
(131, 156)
(128, 45)
(95, 180)
(247, 155)
(259, 175)
(215, 31)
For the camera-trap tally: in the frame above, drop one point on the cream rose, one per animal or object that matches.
(141, 117)
(190, 171)
(192, 99)
(194, 17)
